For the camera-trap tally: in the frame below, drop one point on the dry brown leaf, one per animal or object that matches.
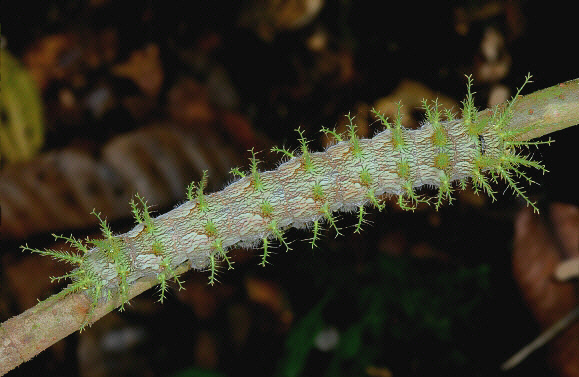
(144, 69)
(45, 57)
(58, 190)
(538, 250)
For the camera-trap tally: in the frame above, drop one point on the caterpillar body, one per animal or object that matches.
(303, 192)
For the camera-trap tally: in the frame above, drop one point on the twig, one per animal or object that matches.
(541, 340)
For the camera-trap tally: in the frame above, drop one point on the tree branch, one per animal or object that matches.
(546, 111)
(26, 335)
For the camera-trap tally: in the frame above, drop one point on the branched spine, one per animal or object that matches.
(306, 157)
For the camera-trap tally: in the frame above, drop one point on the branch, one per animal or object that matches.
(546, 111)
(537, 114)
(26, 335)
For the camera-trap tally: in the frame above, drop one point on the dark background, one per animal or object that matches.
(464, 276)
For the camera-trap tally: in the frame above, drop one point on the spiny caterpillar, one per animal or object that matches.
(303, 192)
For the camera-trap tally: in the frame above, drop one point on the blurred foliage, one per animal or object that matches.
(21, 115)
(400, 312)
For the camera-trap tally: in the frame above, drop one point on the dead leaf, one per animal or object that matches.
(538, 251)
(144, 69)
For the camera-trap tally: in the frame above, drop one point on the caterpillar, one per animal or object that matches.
(305, 191)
